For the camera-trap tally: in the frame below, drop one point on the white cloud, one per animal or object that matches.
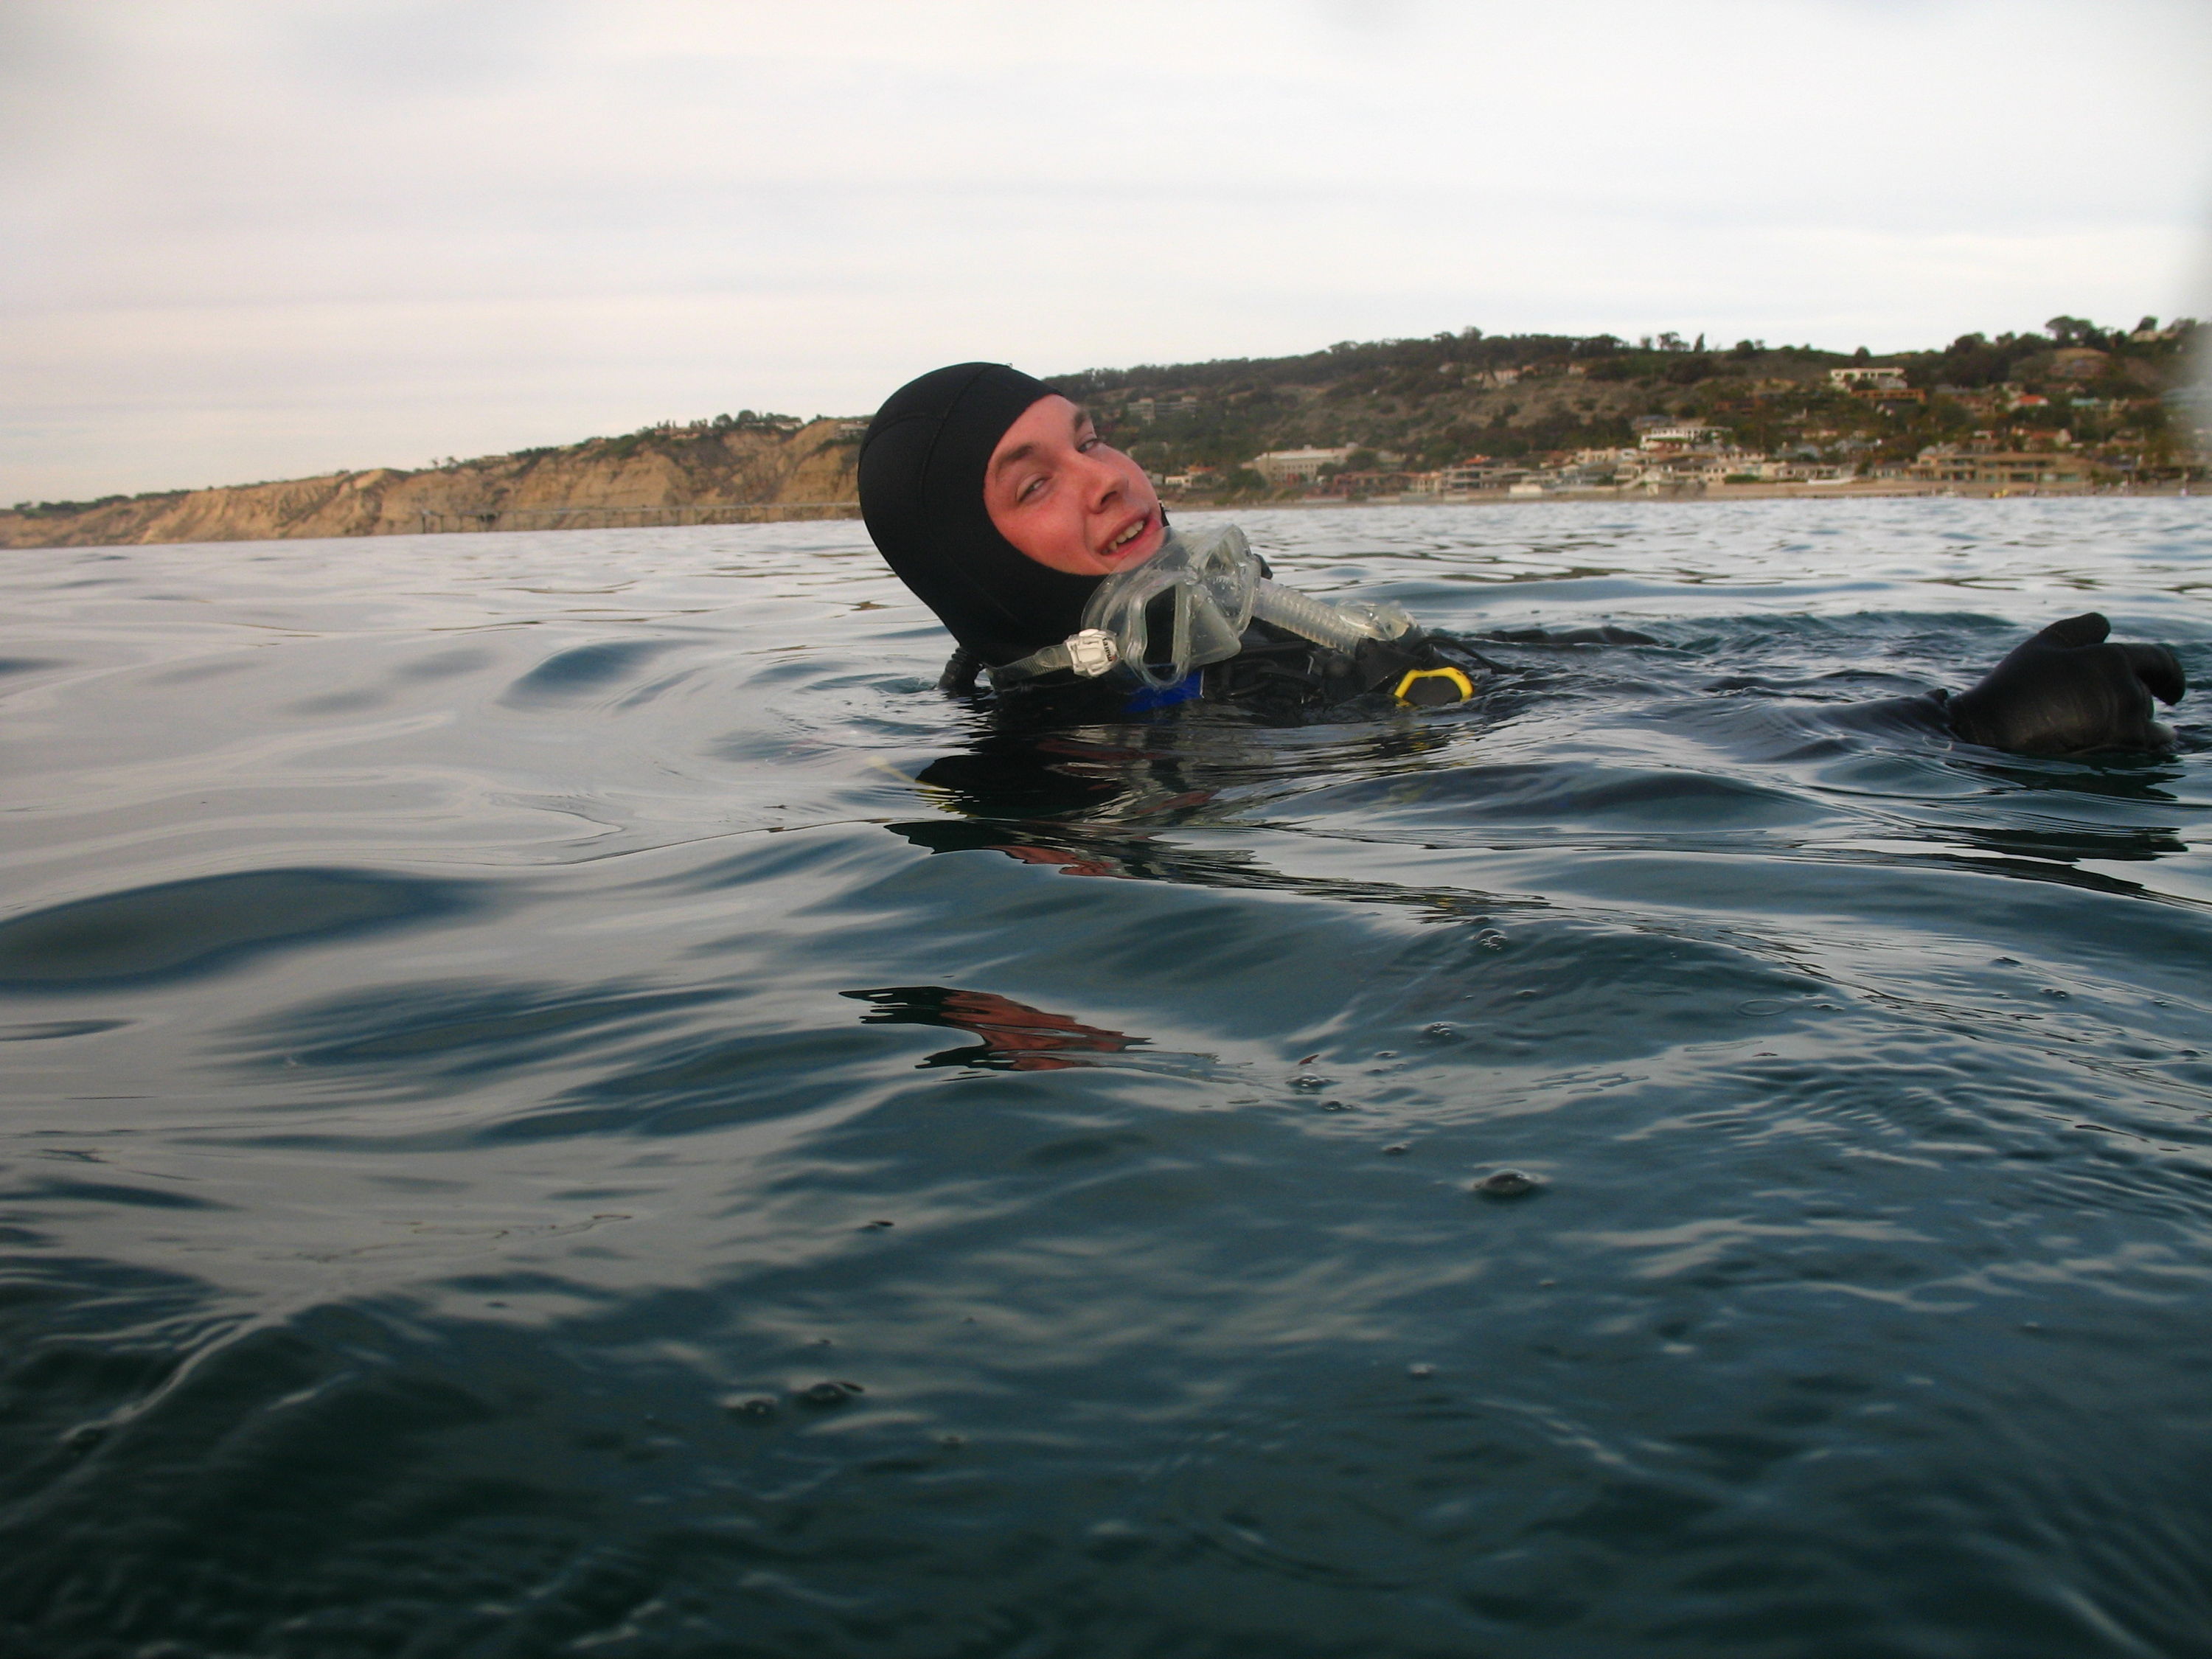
(262, 239)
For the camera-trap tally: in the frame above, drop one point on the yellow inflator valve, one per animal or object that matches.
(1432, 688)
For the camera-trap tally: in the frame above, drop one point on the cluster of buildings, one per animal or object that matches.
(1669, 455)
(1673, 455)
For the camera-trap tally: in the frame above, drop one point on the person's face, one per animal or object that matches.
(1061, 496)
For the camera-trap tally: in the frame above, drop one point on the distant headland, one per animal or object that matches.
(1451, 417)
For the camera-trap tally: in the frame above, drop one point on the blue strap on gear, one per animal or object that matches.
(1149, 698)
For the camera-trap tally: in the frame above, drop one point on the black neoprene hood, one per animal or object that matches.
(922, 492)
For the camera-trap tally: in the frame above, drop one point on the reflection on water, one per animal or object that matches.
(1013, 1035)
(560, 1099)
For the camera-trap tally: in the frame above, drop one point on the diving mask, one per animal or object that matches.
(1188, 606)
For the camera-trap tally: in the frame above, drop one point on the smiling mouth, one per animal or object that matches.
(1127, 536)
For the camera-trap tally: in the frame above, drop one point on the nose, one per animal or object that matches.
(1101, 481)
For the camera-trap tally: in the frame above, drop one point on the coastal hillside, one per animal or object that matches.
(748, 458)
(1451, 416)
(1456, 414)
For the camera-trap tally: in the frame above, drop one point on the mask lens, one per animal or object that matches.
(1186, 606)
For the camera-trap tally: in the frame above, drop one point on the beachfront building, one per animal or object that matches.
(1477, 472)
(1282, 466)
(1608, 457)
(1947, 464)
(1375, 484)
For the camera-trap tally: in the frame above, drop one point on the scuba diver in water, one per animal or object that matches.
(1048, 557)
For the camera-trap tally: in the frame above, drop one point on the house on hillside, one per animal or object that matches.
(1146, 410)
(1867, 378)
(1976, 399)
(1282, 466)
(1677, 436)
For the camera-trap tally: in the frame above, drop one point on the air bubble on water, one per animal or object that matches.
(1386, 1054)
(1335, 1106)
(1507, 1183)
(1395, 1150)
(1443, 1031)
(1310, 1082)
(1491, 939)
(2057, 995)
(757, 1408)
(1421, 1371)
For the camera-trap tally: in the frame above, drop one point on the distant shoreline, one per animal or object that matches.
(1869, 490)
(819, 512)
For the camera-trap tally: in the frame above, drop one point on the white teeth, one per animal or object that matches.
(1128, 535)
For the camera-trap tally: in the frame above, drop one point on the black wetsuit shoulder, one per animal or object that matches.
(1278, 676)
(1281, 675)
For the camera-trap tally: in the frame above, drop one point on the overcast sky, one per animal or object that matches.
(256, 238)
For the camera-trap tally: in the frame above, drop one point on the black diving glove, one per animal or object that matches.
(2065, 690)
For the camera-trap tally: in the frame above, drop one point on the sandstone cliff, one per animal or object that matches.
(668, 467)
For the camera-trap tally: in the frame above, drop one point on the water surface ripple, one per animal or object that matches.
(560, 1100)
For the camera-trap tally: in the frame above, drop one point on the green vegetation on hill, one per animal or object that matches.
(1424, 404)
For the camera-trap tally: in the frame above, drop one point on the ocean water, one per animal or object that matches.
(560, 1100)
